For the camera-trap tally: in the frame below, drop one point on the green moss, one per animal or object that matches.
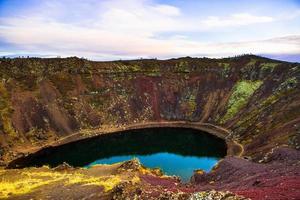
(182, 67)
(135, 68)
(288, 84)
(242, 91)
(192, 104)
(226, 69)
(252, 62)
(283, 90)
(125, 68)
(224, 65)
(188, 102)
(5, 112)
(268, 66)
(153, 73)
(121, 68)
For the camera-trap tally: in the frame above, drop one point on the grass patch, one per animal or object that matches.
(242, 91)
(21, 186)
(28, 181)
(107, 183)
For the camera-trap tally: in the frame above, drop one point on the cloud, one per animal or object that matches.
(239, 19)
(126, 29)
(282, 45)
(167, 10)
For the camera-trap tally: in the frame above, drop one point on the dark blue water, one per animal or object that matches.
(177, 151)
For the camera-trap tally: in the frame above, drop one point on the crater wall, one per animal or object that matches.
(46, 100)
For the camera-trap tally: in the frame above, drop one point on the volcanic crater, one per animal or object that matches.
(251, 103)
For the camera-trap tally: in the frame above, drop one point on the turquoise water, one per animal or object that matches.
(171, 164)
(177, 151)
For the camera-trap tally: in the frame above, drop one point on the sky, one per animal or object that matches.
(130, 29)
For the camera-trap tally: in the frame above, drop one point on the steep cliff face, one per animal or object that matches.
(43, 100)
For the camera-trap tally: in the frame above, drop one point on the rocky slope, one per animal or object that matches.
(233, 179)
(256, 100)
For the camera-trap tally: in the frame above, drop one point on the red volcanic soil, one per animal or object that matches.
(146, 85)
(278, 177)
